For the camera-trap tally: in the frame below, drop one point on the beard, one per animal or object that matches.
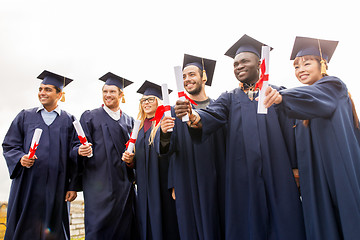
(196, 90)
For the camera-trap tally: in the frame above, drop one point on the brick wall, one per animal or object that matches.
(77, 229)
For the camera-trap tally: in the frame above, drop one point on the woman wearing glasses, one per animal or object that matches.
(156, 208)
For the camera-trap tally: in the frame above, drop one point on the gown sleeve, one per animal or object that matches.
(313, 101)
(215, 115)
(13, 146)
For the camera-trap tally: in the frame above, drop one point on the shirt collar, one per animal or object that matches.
(114, 115)
(57, 109)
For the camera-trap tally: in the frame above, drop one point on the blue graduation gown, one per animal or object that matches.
(261, 197)
(108, 190)
(156, 208)
(197, 173)
(328, 157)
(37, 207)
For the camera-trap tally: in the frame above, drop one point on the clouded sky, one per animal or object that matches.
(144, 40)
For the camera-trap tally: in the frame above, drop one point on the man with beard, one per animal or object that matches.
(42, 183)
(107, 181)
(196, 170)
(262, 200)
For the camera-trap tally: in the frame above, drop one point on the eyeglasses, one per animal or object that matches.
(149, 100)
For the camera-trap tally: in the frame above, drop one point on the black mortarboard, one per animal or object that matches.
(149, 88)
(203, 64)
(112, 79)
(245, 44)
(312, 46)
(54, 79)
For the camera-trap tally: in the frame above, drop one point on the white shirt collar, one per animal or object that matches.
(114, 115)
(57, 109)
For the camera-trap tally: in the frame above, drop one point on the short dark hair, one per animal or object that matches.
(57, 89)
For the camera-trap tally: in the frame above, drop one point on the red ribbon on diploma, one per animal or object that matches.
(131, 140)
(263, 76)
(182, 94)
(33, 150)
(82, 140)
(159, 113)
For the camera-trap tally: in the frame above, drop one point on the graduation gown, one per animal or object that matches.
(37, 207)
(156, 208)
(261, 197)
(197, 173)
(328, 157)
(107, 181)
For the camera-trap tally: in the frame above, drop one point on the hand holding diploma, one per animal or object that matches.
(29, 159)
(85, 149)
(167, 124)
(128, 158)
(131, 143)
(272, 96)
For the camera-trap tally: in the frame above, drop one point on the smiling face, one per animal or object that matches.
(246, 67)
(149, 105)
(193, 82)
(48, 96)
(307, 69)
(111, 96)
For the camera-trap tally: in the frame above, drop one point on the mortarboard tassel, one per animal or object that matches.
(323, 67)
(63, 93)
(123, 98)
(322, 62)
(204, 77)
(63, 97)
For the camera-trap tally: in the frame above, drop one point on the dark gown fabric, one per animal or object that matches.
(37, 207)
(328, 151)
(107, 182)
(156, 208)
(261, 197)
(197, 172)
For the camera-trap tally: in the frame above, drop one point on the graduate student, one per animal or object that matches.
(156, 208)
(43, 184)
(107, 182)
(262, 200)
(327, 141)
(197, 170)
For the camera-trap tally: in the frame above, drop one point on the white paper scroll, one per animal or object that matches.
(265, 52)
(133, 136)
(80, 132)
(166, 101)
(35, 142)
(180, 87)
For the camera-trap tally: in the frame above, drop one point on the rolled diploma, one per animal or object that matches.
(35, 142)
(265, 52)
(134, 135)
(80, 132)
(180, 87)
(166, 101)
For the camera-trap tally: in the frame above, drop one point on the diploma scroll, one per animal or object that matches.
(131, 143)
(264, 78)
(166, 101)
(180, 87)
(81, 135)
(35, 142)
